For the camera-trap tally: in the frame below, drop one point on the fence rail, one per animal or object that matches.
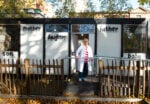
(31, 77)
(124, 78)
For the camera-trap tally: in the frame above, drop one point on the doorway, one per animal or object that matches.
(78, 33)
(76, 42)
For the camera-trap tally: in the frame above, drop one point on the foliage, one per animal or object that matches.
(68, 8)
(91, 6)
(142, 2)
(82, 14)
(65, 9)
(29, 4)
(114, 5)
(11, 8)
(108, 8)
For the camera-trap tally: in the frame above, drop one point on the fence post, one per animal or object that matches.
(62, 69)
(100, 77)
(137, 79)
(27, 75)
(18, 69)
(1, 75)
(144, 79)
(62, 75)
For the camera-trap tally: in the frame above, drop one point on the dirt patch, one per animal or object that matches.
(59, 101)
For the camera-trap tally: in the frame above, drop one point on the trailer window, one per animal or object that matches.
(83, 28)
(9, 37)
(134, 38)
(56, 28)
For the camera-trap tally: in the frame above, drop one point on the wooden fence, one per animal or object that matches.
(31, 77)
(124, 78)
(117, 77)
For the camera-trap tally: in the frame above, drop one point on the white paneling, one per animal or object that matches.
(57, 47)
(109, 40)
(31, 41)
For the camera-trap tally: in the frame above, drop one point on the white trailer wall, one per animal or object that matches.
(31, 40)
(57, 48)
(109, 40)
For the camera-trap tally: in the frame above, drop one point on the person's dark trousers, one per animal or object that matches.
(81, 75)
(85, 70)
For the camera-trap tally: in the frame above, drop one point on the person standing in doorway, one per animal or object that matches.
(84, 55)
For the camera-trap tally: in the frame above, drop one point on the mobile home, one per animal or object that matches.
(59, 38)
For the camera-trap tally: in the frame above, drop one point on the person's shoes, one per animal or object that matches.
(80, 80)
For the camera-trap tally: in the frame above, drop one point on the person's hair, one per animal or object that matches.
(85, 38)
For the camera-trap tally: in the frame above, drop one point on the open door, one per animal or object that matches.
(78, 32)
(77, 41)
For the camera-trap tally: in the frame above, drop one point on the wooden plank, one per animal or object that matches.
(121, 77)
(126, 67)
(62, 69)
(27, 73)
(59, 66)
(20, 78)
(57, 69)
(134, 79)
(144, 78)
(13, 78)
(42, 76)
(54, 79)
(108, 80)
(19, 69)
(18, 89)
(103, 83)
(50, 80)
(138, 79)
(31, 66)
(62, 75)
(100, 62)
(38, 77)
(6, 75)
(9, 78)
(129, 69)
(113, 80)
(34, 79)
(58, 80)
(54, 69)
(116, 79)
(124, 78)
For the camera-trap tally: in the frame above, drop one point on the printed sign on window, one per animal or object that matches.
(32, 41)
